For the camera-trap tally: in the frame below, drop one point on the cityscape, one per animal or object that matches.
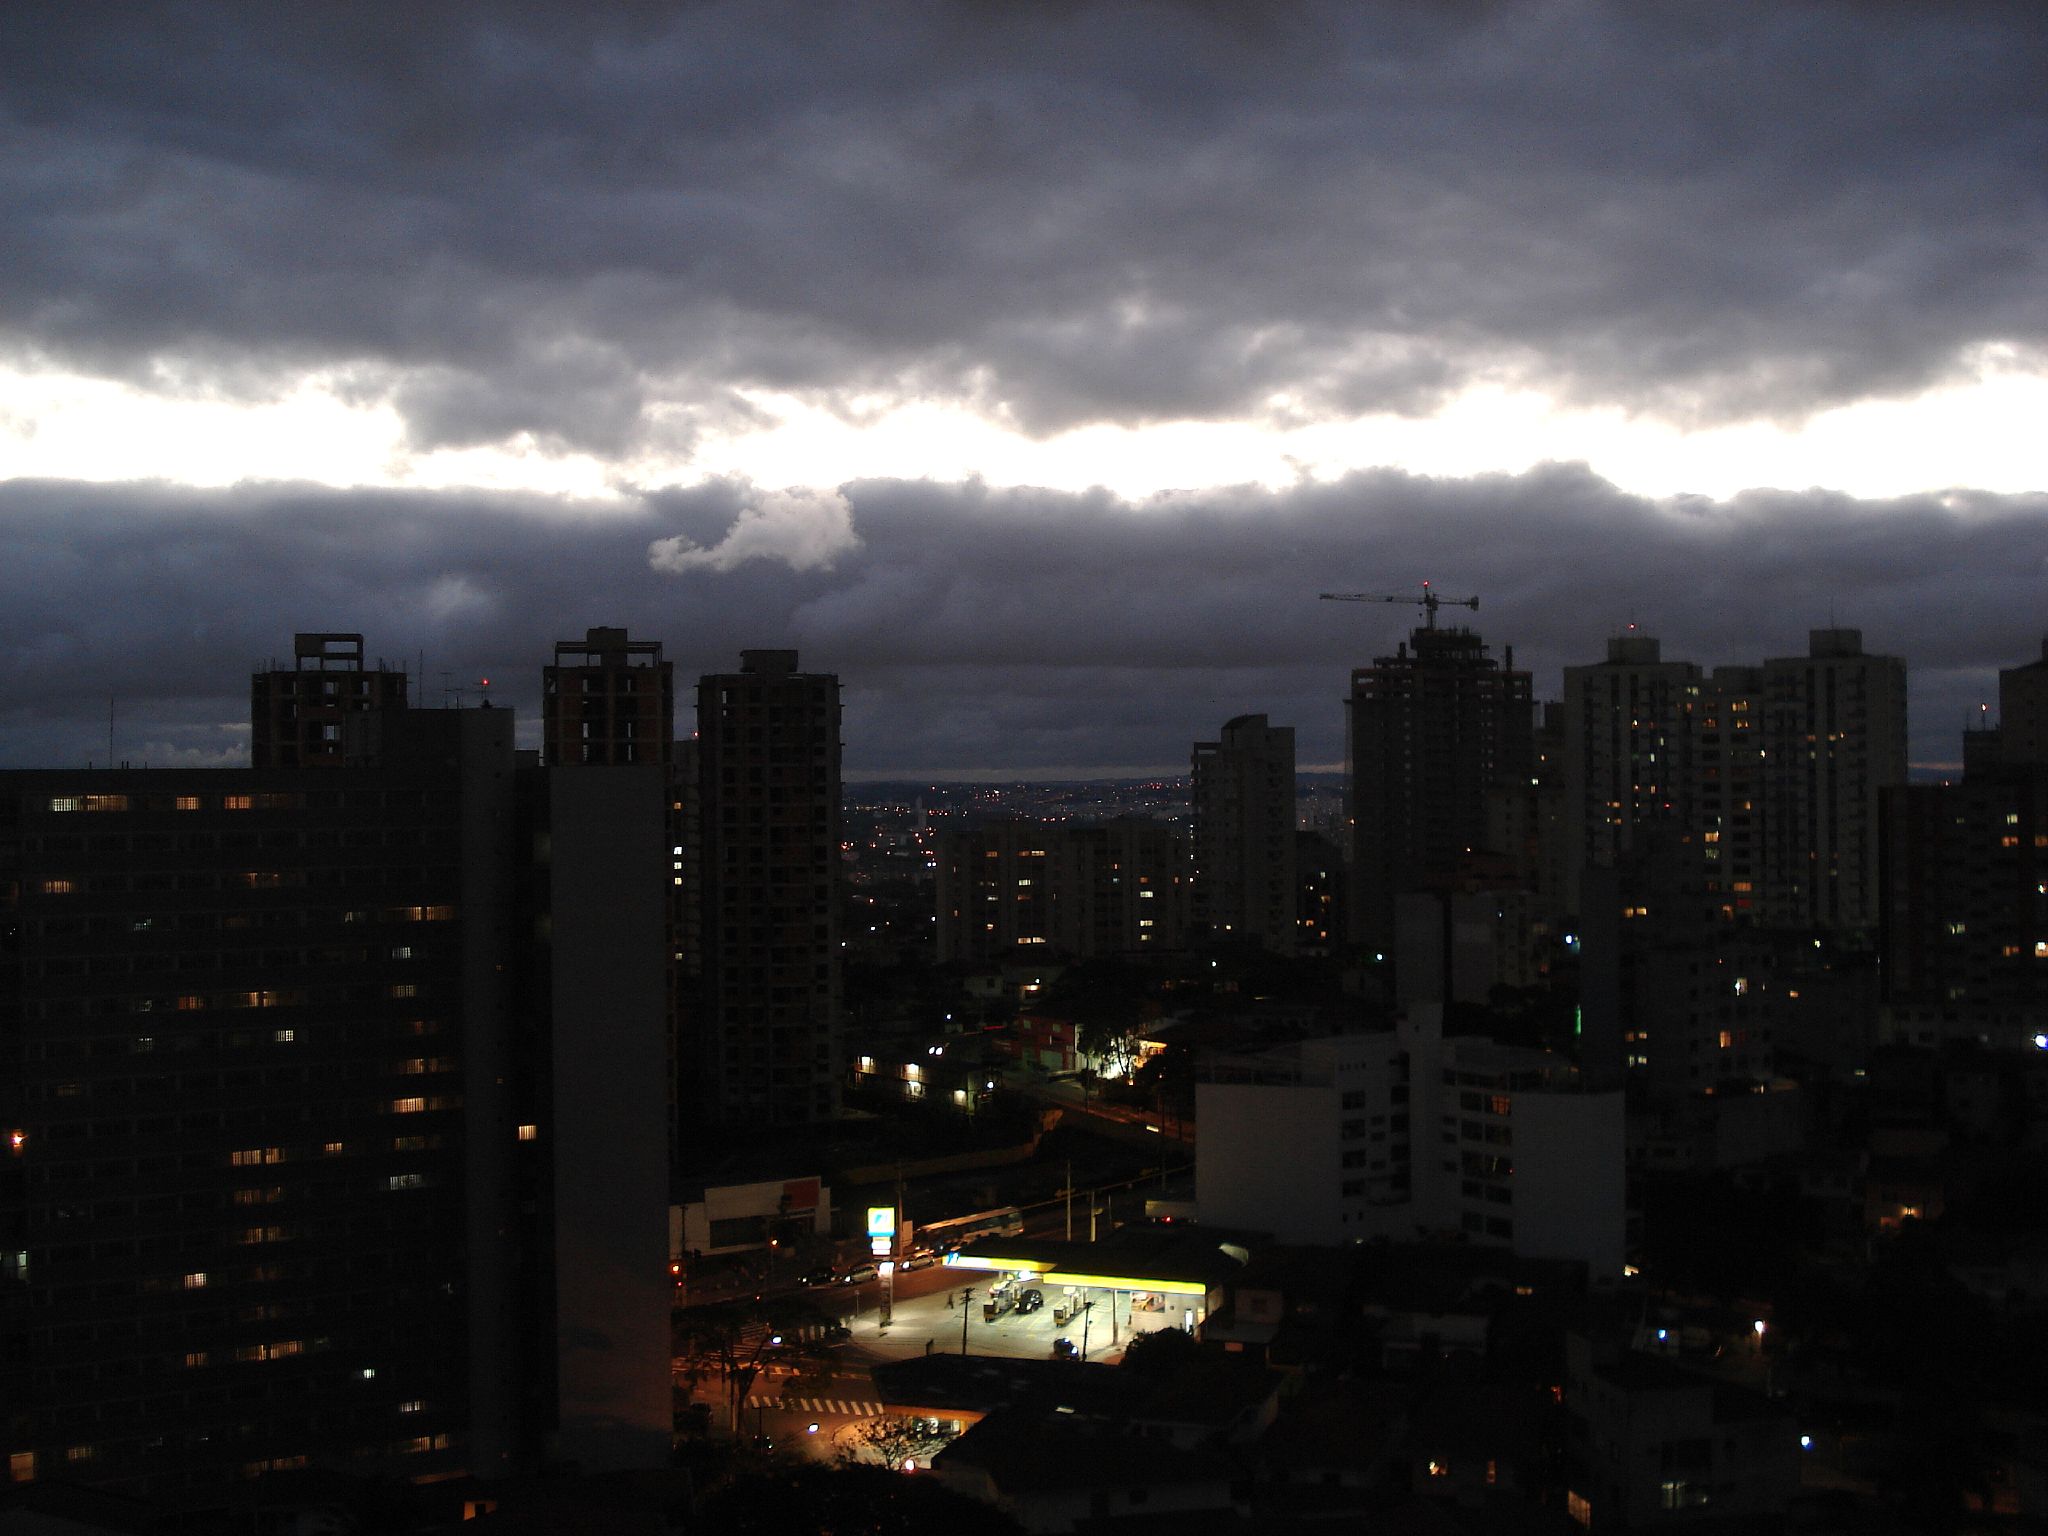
(1134, 768)
(1606, 1112)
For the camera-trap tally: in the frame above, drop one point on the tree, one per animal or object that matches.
(890, 1442)
(1159, 1354)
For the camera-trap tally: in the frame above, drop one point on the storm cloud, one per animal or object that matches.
(976, 628)
(598, 227)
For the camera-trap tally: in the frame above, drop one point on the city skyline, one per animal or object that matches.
(1031, 372)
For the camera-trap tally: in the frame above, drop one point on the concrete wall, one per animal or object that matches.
(1571, 1195)
(1267, 1159)
(609, 1123)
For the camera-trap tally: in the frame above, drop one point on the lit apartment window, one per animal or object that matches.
(408, 1106)
(196, 1280)
(529, 1133)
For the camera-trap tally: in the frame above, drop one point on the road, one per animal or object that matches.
(926, 1318)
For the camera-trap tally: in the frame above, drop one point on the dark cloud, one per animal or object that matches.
(977, 628)
(541, 218)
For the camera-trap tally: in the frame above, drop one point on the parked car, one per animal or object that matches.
(1030, 1301)
(920, 1261)
(859, 1273)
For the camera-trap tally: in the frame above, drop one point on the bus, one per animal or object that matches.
(958, 1231)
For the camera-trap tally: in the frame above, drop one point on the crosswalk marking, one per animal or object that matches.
(838, 1405)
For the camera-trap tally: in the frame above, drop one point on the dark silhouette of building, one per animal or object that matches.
(333, 1115)
(1242, 789)
(1965, 932)
(607, 700)
(768, 1051)
(1026, 889)
(1433, 729)
(1629, 735)
(296, 713)
(1775, 770)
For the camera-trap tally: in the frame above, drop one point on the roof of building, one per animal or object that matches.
(1023, 1451)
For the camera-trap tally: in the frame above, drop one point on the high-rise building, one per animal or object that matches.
(1021, 889)
(1835, 728)
(769, 1050)
(607, 699)
(1965, 903)
(1433, 729)
(1122, 888)
(333, 1118)
(296, 713)
(1242, 788)
(1629, 736)
(1775, 770)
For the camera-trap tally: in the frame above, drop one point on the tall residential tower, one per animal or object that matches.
(768, 1044)
(1434, 729)
(1244, 849)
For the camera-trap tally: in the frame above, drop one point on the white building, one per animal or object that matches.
(1407, 1134)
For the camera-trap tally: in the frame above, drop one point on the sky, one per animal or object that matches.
(1033, 367)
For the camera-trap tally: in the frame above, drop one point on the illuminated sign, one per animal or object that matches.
(881, 1221)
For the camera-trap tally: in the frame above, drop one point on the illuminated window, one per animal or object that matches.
(236, 802)
(408, 1106)
(196, 1280)
(186, 803)
(195, 1358)
(529, 1133)
(331, 1148)
(57, 887)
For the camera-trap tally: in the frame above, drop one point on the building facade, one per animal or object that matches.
(1629, 735)
(1022, 889)
(1432, 730)
(1242, 789)
(333, 1117)
(768, 1050)
(607, 700)
(1402, 1134)
(297, 713)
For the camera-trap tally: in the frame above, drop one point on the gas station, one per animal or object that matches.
(1154, 1276)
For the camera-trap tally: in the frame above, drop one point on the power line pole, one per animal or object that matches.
(966, 1295)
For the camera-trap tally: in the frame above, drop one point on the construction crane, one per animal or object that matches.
(1429, 602)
